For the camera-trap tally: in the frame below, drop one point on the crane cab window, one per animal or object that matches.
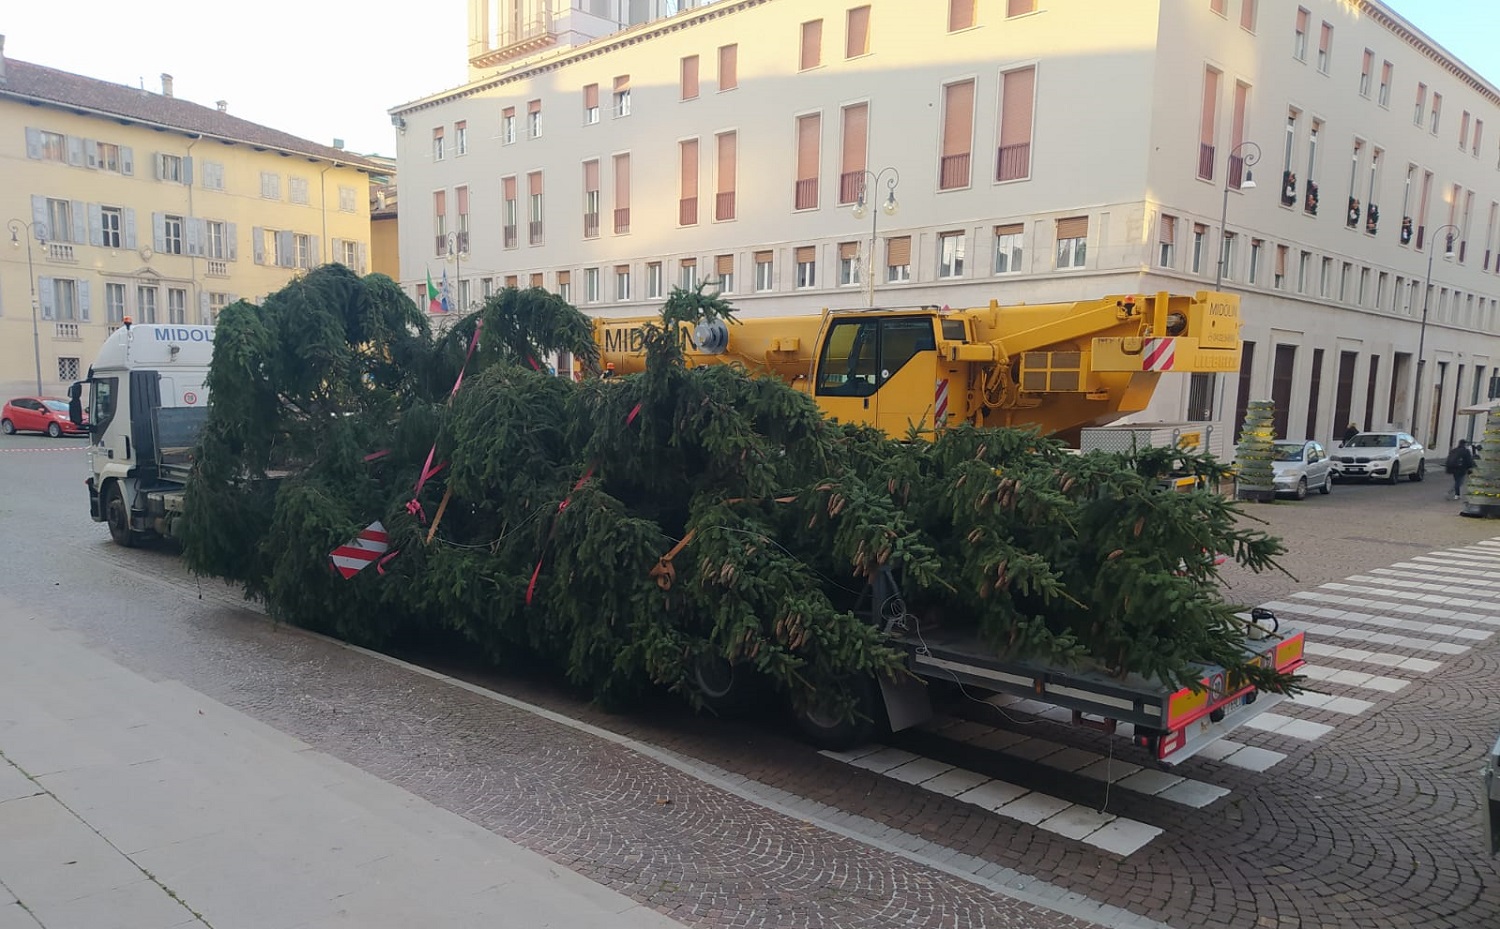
(860, 355)
(953, 330)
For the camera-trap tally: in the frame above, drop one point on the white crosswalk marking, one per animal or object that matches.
(1437, 600)
(1449, 582)
(1388, 685)
(1349, 706)
(1443, 568)
(1407, 625)
(1323, 630)
(1289, 726)
(1384, 659)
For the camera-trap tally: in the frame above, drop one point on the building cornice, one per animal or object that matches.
(1428, 48)
(602, 46)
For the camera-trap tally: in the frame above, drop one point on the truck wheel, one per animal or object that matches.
(1420, 473)
(117, 514)
(727, 689)
(828, 730)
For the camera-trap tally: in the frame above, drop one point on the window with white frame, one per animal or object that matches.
(688, 273)
(765, 268)
(270, 185)
(1200, 239)
(807, 266)
(171, 234)
(1009, 249)
(951, 247)
(591, 104)
(59, 220)
(1304, 265)
(898, 259)
(297, 189)
(114, 303)
(1227, 244)
(1325, 279)
(1072, 239)
(437, 144)
(461, 137)
(1299, 38)
(653, 280)
(1252, 274)
(508, 126)
(217, 300)
(54, 146)
(622, 282)
(64, 299)
(848, 264)
(110, 160)
(145, 303)
(724, 271)
(169, 168)
(534, 119)
(622, 96)
(565, 286)
(350, 256)
(591, 285)
(306, 258)
(176, 305)
(214, 240)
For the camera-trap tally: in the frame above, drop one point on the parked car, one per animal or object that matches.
(39, 414)
(1383, 456)
(1301, 465)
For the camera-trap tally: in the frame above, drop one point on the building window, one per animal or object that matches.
(653, 280)
(622, 96)
(1279, 282)
(1325, 279)
(54, 146)
(848, 264)
(958, 135)
(1437, 110)
(534, 119)
(1166, 255)
(1421, 109)
(898, 259)
(687, 202)
(67, 369)
(1385, 84)
(622, 194)
(689, 77)
(857, 32)
(59, 220)
(1017, 94)
(622, 282)
(1072, 236)
(145, 303)
(687, 274)
(306, 254)
(1252, 276)
(348, 202)
(960, 14)
(764, 272)
(1325, 47)
(171, 235)
(591, 104)
(1009, 250)
(297, 189)
(1247, 15)
(591, 285)
(110, 226)
(508, 126)
(437, 144)
(1478, 131)
(1208, 125)
(727, 168)
(951, 254)
(461, 194)
(509, 211)
(213, 235)
(114, 303)
(440, 222)
(213, 171)
(565, 285)
(809, 136)
(591, 199)
(1014, 7)
(856, 120)
(64, 299)
(1304, 265)
(1366, 67)
(1200, 238)
(349, 257)
(461, 137)
(176, 305)
(724, 268)
(729, 77)
(807, 266)
(270, 185)
(108, 159)
(170, 168)
(1299, 39)
(812, 45)
(1226, 254)
(534, 188)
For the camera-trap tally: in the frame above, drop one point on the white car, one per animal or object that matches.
(1300, 466)
(1380, 456)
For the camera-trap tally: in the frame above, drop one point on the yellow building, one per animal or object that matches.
(123, 202)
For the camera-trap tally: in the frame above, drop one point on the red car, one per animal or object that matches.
(39, 414)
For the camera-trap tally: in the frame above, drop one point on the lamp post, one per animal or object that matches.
(458, 250)
(867, 180)
(1251, 156)
(40, 231)
(1416, 407)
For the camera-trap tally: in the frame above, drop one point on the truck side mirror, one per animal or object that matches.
(75, 404)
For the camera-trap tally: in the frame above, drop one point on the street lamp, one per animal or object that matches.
(1416, 407)
(1251, 156)
(862, 205)
(39, 230)
(458, 250)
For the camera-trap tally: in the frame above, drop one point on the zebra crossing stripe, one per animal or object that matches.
(1384, 659)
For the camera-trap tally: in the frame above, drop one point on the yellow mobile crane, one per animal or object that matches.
(1060, 366)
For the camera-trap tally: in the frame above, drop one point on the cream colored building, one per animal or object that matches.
(1038, 150)
(125, 202)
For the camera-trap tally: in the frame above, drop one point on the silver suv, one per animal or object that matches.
(1382, 456)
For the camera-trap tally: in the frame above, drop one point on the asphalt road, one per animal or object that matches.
(1356, 807)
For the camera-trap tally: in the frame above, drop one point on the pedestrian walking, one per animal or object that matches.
(1351, 432)
(1459, 463)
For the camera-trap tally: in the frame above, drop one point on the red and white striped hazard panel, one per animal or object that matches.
(361, 551)
(940, 402)
(1160, 355)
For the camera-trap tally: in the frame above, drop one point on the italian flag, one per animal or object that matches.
(434, 301)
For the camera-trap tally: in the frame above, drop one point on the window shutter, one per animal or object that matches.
(960, 14)
(96, 224)
(958, 118)
(130, 227)
(808, 130)
(622, 83)
(187, 171)
(856, 137)
(848, 250)
(44, 296)
(338, 250)
(812, 44)
(156, 164)
(440, 203)
(91, 152)
(83, 301)
(509, 112)
(533, 106)
(1241, 103)
(857, 42)
(127, 160)
(462, 194)
(622, 181)
(509, 186)
(898, 251)
(1302, 21)
(728, 67)
(591, 96)
(1210, 106)
(1021, 7)
(364, 258)
(286, 245)
(258, 244)
(1076, 227)
(806, 253)
(534, 182)
(314, 251)
(690, 77)
(1015, 114)
(728, 145)
(231, 241)
(591, 175)
(689, 152)
(195, 236)
(622, 269)
(78, 215)
(724, 264)
(34, 147)
(75, 151)
(1010, 229)
(1168, 230)
(764, 258)
(564, 278)
(158, 232)
(203, 307)
(1325, 38)
(536, 279)
(39, 215)
(1247, 14)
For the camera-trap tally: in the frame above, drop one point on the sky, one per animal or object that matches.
(317, 70)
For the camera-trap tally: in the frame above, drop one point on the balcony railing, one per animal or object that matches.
(805, 194)
(687, 211)
(1236, 171)
(724, 205)
(510, 236)
(440, 244)
(622, 220)
(590, 225)
(217, 268)
(1013, 162)
(534, 232)
(66, 331)
(60, 251)
(462, 240)
(1205, 161)
(953, 172)
(850, 184)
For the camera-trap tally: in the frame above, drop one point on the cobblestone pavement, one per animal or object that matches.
(1354, 807)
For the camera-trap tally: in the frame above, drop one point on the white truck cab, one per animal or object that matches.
(147, 401)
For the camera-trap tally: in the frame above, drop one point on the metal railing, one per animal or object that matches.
(590, 225)
(850, 184)
(805, 194)
(724, 205)
(534, 232)
(510, 236)
(1205, 161)
(953, 171)
(687, 211)
(622, 219)
(1013, 162)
